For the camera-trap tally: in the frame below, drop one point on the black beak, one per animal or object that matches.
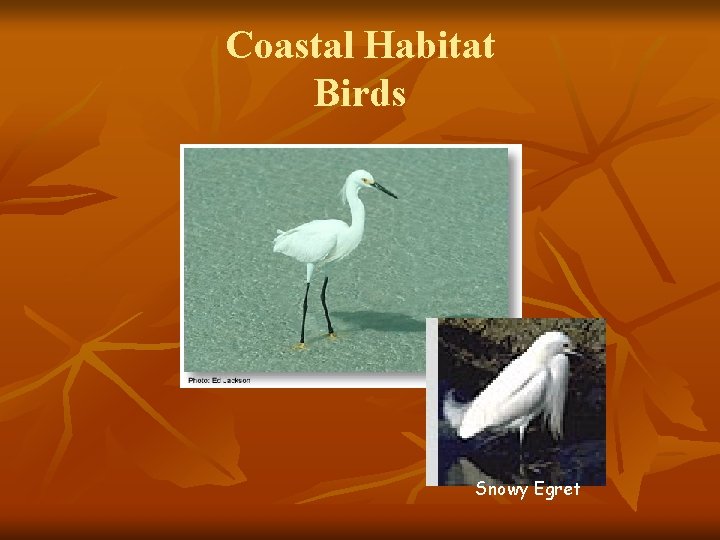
(574, 354)
(375, 184)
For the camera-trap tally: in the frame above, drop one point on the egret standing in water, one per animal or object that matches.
(325, 240)
(534, 383)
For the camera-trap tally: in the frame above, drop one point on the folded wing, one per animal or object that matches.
(310, 242)
(509, 402)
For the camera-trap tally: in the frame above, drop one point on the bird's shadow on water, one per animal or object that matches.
(378, 320)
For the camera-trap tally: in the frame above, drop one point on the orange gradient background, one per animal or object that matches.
(618, 117)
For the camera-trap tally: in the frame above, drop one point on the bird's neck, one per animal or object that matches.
(535, 352)
(357, 209)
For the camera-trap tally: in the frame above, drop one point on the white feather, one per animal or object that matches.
(311, 242)
(556, 394)
(532, 384)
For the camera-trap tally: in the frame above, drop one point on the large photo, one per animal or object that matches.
(328, 260)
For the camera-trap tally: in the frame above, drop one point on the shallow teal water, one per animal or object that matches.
(440, 250)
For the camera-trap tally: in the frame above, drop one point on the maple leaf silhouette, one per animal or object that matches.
(391, 484)
(585, 112)
(157, 442)
(218, 87)
(38, 140)
(635, 448)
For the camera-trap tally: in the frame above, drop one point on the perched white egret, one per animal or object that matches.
(533, 383)
(325, 240)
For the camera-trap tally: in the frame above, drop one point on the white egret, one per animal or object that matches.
(325, 240)
(533, 383)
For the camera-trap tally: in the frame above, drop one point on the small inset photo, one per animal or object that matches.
(516, 401)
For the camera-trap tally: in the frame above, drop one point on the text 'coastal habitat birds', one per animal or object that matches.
(381, 44)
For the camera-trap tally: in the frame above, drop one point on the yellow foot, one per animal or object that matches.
(332, 336)
(299, 346)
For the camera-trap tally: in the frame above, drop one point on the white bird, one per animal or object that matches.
(325, 240)
(533, 383)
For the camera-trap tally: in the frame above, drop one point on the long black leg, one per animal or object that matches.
(302, 331)
(522, 436)
(327, 315)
